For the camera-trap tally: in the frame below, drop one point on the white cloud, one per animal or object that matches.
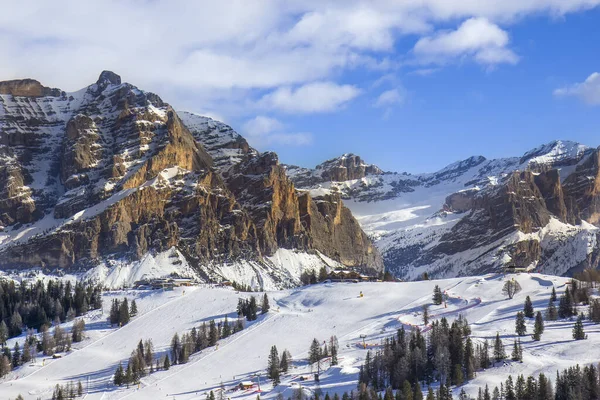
(390, 97)
(262, 126)
(587, 91)
(232, 50)
(263, 131)
(476, 37)
(313, 97)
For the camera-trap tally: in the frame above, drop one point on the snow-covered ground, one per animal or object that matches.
(296, 317)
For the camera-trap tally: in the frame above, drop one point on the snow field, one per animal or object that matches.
(296, 317)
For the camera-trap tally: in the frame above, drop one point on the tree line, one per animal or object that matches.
(573, 383)
(33, 305)
(144, 361)
(121, 313)
(317, 353)
(448, 355)
(50, 343)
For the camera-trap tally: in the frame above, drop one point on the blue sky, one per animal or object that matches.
(409, 85)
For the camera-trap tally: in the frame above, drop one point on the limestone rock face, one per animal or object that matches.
(347, 167)
(27, 88)
(113, 172)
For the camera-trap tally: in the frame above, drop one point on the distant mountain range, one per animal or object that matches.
(110, 175)
(540, 211)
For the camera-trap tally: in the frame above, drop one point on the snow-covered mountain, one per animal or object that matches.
(539, 211)
(107, 176)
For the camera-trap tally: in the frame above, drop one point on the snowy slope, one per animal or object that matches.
(297, 316)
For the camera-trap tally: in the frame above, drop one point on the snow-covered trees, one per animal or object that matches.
(425, 313)
(520, 327)
(511, 287)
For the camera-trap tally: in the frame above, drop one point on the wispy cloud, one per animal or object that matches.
(587, 91)
(262, 131)
(313, 97)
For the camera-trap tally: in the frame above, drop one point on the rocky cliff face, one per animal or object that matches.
(112, 172)
(475, 216)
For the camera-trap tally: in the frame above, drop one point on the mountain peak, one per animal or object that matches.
(108, 77)
(557, 152)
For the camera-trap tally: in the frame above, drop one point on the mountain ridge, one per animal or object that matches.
(479, 215)
(112, 172)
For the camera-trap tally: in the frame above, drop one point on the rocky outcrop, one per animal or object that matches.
(123, 175)
(333, 231)
(346, 167)
(582, 189)
(28, 88)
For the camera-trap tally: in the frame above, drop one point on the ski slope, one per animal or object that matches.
(296, 317)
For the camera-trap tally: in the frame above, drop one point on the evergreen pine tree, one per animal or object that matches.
(407, 393)
(3, 333)
(213, 333)
(133, 311)
(314, 353)
(515, 352)
(273, 370)
(333, 344)
(124, 312)
(430, 394)
(499, 353)
(520, 327)
(538, 328)
(425, 314)
(265, 305)
(118, 379)
(166, 363)
(528, 308)
(284, 362)
(565, 305)
(578, 331)
(553, 295)
(551, 312)
(417, 393)
(226, 332)
(175, 348)
(438, 297)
